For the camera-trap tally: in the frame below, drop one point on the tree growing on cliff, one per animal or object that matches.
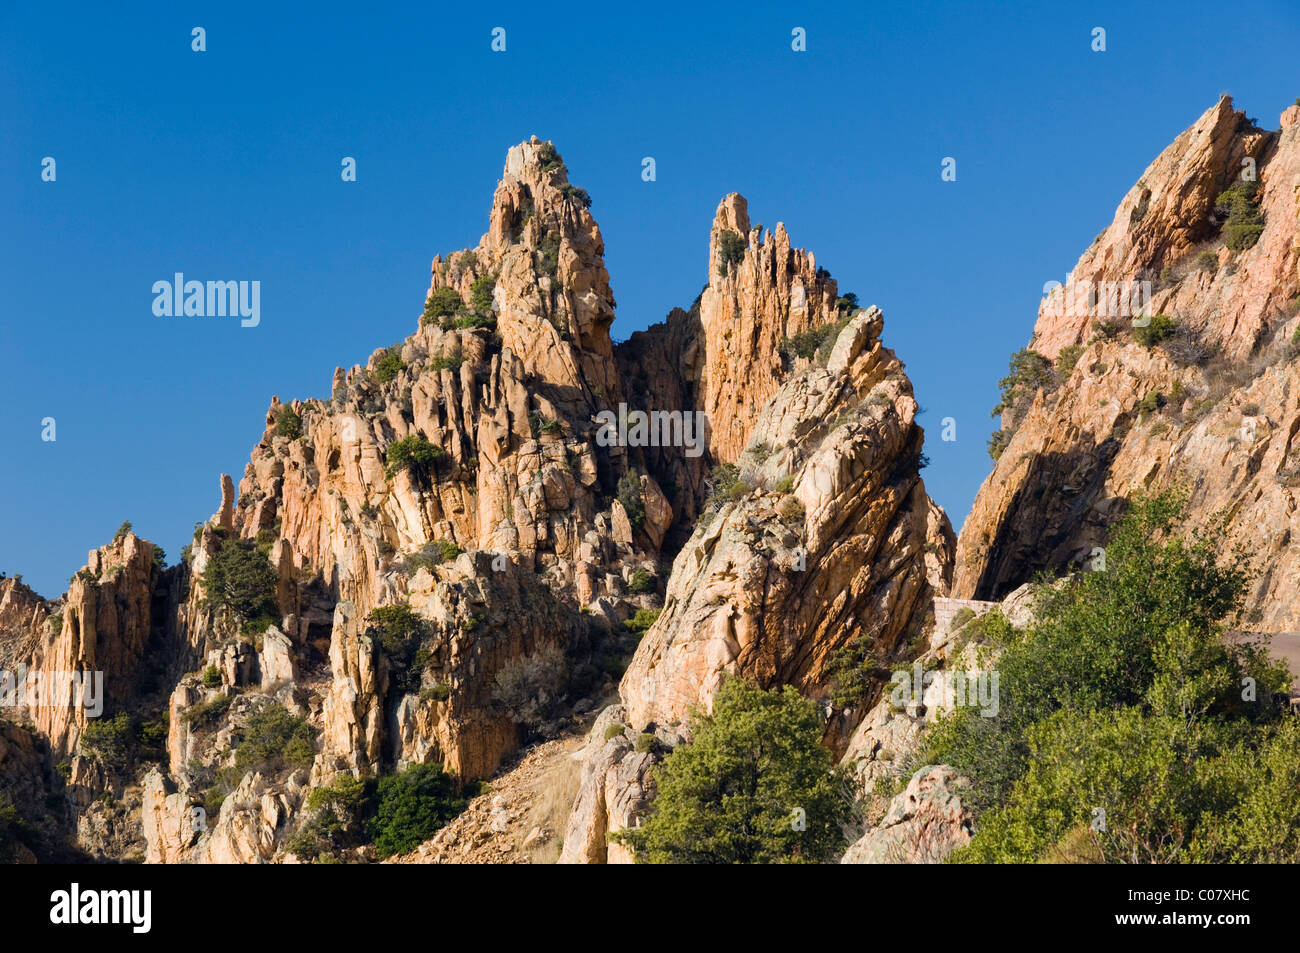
(240, 578)
(753, 786)
(1124, 695)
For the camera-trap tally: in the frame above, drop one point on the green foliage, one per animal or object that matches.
(432, 554)
(411, 807)
(731, 794)
(447, 362)
(854, 670)
(480, 293)
(629, 494)
(1149, 404)
(577, 195)
(1207, 261)
(287, 423)
(159, 558)
(548, 254)
(1158, 329)
(442, 303)
(439, 691)
(413, 453)
(396, 628)
(615, 731)
(207, 713)
(274, 741)
(997, 443)
(645, 743)
(14, 831)
(211, 677)
(1030, 372)
(475, 320)
(240, 578)
(1124, 694)
(731, 250)
(389, 365)
(642, 621)
(110, 741)
(337, 819)
(1067, 359)
(727, 487)
(784, 485)
(548, 158)
(122, 531)
(642, 583)
(1244, 221)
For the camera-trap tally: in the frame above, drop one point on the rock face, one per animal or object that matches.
(826, 538)
(923, 825)
(450, 545)
(831, 539)
(104, 629)
(1212, 408)
(22, 615)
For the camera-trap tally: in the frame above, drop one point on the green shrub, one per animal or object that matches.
(337, 818)
(411, 807)
(1030, 372)
(397, 628)
(642, 621)
(122, 531)
(784, 485)
(1149, 405)
(1067, 359)
(240, 578)
(432, 554)
(645, 743)
(731, 250)
(442, 303)
(1244, 221)
(548, 254)
(288, 424)
(642, 582)
(440, 691)
(475, 320)
(447, 362)
(480, 293)
(1207, 261)
(389, 365)
(577, 195)
(730, 795)
(629, 494)
(211, 677)
(1124, 694)
(110, 741)
(413, 453)
(548, 158)
(615, 731)
(209, 712)
(274, 741)
(1158, 329)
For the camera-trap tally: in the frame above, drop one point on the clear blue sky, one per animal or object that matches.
(225, 165)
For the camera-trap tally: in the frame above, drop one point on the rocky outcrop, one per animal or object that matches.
(826, 539)
(1212, 408)
(22, 616)
(102, 634)
(830, 538)
(924, 824)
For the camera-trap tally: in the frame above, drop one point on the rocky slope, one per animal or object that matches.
(826, 540)
(453, 520)
(1204, 397)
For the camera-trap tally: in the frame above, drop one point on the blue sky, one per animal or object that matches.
(225, 165)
